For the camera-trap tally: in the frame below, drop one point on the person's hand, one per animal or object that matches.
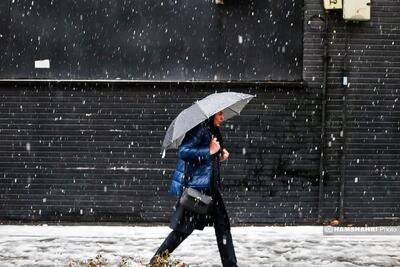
(225, 155)
(214, 146)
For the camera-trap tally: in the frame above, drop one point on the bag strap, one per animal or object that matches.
(185, 175)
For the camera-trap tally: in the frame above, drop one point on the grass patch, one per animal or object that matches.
(160, 261)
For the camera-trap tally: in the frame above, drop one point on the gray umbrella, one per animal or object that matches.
(229, 102)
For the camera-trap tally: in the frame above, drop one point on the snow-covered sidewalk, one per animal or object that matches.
(255, 246)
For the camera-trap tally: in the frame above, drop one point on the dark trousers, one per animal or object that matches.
(224, 241)
(222, 232)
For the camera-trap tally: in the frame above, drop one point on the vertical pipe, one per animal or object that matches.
(323, 119)
(343, 132)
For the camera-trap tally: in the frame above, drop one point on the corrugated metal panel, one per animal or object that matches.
(92, 153)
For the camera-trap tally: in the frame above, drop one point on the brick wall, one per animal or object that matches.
(362, 138)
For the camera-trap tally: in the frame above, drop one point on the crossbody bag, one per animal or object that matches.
(194, 200)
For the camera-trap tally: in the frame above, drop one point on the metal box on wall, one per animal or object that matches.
(359, 10)
(333, 4)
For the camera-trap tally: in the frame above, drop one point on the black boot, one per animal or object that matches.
(173, 240)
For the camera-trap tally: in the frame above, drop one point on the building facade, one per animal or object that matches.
(314, 145)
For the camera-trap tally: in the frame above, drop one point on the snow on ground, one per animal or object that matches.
(255, 246)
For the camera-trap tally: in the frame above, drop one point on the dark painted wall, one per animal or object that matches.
(152, 39)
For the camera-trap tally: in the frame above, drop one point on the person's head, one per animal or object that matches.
(218, 118)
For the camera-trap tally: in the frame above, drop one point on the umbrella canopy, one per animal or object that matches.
(230, 103)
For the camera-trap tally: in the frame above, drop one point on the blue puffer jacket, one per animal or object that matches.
(195, 151)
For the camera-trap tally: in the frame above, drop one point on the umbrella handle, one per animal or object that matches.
(219, 153)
